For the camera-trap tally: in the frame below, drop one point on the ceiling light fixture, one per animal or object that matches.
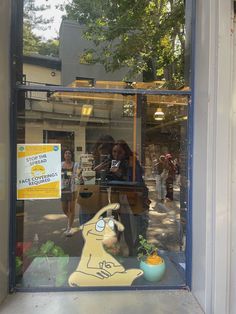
(159, 115)
(86, 110)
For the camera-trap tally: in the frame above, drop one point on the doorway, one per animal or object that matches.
(65, 138)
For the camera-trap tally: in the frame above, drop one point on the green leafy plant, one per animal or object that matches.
(19, 265)
(152, 265)
(146, 249)
(47, 250)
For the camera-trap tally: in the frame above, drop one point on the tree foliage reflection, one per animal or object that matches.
(146, 36)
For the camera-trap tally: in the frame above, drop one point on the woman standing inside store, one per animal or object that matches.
(124, 164)
(69, 175)
(102, 155)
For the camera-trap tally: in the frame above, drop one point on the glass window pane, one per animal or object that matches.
(115, 142)
(79, 152)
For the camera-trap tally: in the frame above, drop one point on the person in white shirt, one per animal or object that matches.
(69, 174)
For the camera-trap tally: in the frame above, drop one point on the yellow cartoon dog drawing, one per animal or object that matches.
(97, 267)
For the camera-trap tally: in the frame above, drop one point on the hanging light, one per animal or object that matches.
(159, 115)
(86, 110)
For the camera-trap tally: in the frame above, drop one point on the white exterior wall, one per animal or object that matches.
(40, 74)
(233, 189)
(4, 143)
(212, 156)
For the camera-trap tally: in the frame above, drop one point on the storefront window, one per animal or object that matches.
(102, 146)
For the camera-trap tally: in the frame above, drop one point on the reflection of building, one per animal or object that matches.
(46, 113)
(63, 113)
(72, 47)
(42, 69)
(59, 117)
(45, 121)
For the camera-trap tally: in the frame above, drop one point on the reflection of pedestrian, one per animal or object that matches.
(161, 176)
(177, 172)
(69, 173)
(171, 176)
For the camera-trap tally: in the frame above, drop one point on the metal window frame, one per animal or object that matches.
(17, 86)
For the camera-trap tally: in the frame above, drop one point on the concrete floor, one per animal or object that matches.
(103, 302)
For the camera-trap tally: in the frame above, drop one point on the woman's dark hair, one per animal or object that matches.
(105, 142)
(68, 150)
(125, 147)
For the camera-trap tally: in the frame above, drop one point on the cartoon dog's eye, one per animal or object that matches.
(100, 225)
(111, 224)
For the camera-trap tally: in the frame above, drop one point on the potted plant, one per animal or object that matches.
(151, 263)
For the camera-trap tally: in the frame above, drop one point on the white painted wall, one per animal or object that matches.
(40, 74)
(233, 188)
(212, 155)
(4, 144)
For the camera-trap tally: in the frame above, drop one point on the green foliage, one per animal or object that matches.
(145, 36)
(34, 20)
(32, 16)
(46, 250)
(49, 48)
(145, 249)
(18, 265)
(31, 42)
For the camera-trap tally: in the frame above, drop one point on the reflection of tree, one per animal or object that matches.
(34, 20)
(49, 48)
(145, 35)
